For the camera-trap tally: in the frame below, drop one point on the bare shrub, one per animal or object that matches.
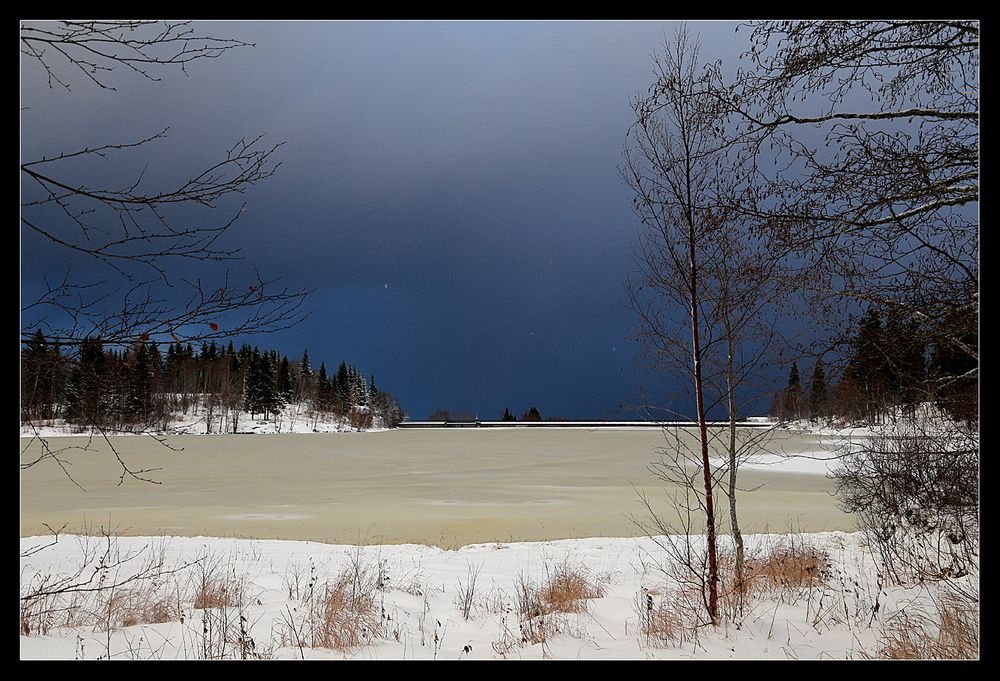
(294, 580)
(109, 588)
(916, 495)
(360, 419)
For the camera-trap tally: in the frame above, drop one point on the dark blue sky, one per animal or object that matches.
(450, 190)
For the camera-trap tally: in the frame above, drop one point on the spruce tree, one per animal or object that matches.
(323, 397)
(39, 365)
(272, 398)
(793, 394)
(343, 387)
(868, 369)
(954, 365)
(255, 393)
(87, 394)
(904, 347)
(284, 381)
(359, 392)
(818, 401)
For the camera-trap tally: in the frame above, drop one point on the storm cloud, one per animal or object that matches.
(450, 189)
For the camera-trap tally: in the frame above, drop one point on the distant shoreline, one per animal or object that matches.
(578, 424)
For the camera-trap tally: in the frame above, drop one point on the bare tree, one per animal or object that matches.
(670, 165)
(863, 136)
(707, 266)
(135, 227)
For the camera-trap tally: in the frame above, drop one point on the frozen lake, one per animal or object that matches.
(441, 487)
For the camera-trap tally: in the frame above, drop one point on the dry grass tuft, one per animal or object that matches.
(342, 613)
(664, 624)
(144, 604)
(104, 610)
(952, 635)
(213, 594)
(781, 572)
(669, 619)
(568, 589)
(347, 618)
(791, 566)
(541, 610)
(218, 587)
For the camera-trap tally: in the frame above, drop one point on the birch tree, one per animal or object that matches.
(669, 164)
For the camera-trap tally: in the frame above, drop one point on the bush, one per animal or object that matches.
(916, 496)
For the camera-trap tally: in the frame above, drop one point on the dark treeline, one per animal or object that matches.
(142, 387)
(893, 365)
(445, 415)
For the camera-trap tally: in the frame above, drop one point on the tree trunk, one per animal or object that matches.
(713, 568)
(733, 464)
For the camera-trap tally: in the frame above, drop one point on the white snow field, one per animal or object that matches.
(410, 602)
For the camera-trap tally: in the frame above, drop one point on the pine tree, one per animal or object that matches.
(507, 416)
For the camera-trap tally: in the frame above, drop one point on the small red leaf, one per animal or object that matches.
(222, 291)
(144, 336)
(175, 338)
(253, 288)
(213, 326)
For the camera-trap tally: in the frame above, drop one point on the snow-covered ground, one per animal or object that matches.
(415, 594)
(294, 418)
(925, 419)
